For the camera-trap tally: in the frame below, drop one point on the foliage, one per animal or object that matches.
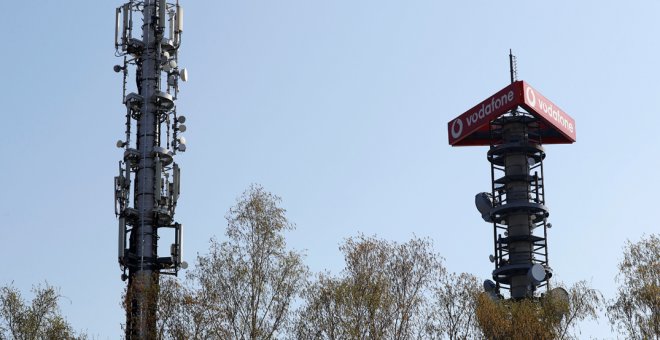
(243, 289)
(141, 295)
(549, 317)
(379, 295)
(453, 310)
(584, 303)
(635, 312)
(38, 319)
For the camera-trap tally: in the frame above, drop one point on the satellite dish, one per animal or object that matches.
(117, 68)
(489, 286)
(166, 55)
(559, 297)
(184, 265)
(181, 147)
(183, 74)
(181, 119)
(182, 140)
(182, 128)
(536, 273)
(120, 143)
(491, 258)
(484, 205)
(164, 100)
(559, 293)
(172, 64)
(167, 68)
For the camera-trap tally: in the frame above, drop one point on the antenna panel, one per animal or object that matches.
(162, 8)
(179, 19)
(121, 245)
(159, 174)
(176, 181)
(117, 26)
(179, 241)
(126, 30)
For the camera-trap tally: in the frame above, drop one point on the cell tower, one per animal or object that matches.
(148, 185)
(515, 122)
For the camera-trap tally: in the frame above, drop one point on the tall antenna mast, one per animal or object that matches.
(513, 67)
(147, 187)
(514, 123)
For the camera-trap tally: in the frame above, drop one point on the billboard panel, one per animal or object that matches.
(549, 112)
(481, 114)
(472, 126)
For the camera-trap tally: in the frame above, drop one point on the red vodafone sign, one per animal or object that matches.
(472, 127)
(549, 112)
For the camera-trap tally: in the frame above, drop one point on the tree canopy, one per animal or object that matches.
(635, 311)
(33, 320)
(244, 287)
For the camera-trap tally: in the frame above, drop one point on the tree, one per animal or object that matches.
(379, 295)
(635, 312)
(548, 317)
(584, 302)
(38, 319)
(244, 287)
(453, 307)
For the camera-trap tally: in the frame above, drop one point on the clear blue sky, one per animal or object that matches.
(339, 107)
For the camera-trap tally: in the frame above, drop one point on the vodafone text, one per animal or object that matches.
(487, 109)
(548, 109)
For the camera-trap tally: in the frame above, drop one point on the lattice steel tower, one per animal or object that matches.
(515, 123)
(148, 185)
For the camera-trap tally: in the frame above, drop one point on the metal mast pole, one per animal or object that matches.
(149, 164)
(516, 154)
(515, 123)
(142, 280)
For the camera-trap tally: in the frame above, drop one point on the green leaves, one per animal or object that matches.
(635, 312)
(36, 319)
(244, 287)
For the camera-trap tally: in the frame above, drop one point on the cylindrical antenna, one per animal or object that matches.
(125, 35)
(179, 18)
(121, 244)
(117, 24)
(179, 236)
(162, 8)
(171, 23)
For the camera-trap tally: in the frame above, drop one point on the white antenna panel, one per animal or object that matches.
(125, 35)
(179, 19)
(117, 26)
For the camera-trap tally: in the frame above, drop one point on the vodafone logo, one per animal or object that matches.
(552, 113)
(531, 96)
(457, 128)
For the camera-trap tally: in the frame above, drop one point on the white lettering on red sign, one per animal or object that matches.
(548, 109)
(486, 109)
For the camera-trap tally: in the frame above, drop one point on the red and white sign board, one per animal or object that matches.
(472, 127)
